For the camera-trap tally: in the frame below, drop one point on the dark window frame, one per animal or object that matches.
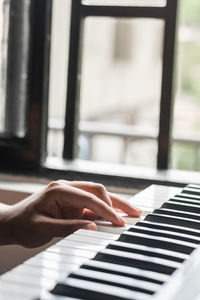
(27, 151)
(27, 155)
(166, 13)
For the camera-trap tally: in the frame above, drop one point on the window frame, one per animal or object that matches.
(79, 12)
(28, 152)
(28, 155)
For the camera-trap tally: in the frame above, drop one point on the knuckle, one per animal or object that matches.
(53, 184)
(101, 188)
(90, 196)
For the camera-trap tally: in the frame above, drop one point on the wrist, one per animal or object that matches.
(5, 228)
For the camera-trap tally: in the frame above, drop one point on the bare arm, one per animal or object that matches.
(5, 234)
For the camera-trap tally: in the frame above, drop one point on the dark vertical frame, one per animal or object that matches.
(166, 104)
(73, 78)
(28, 151)
(168, 14)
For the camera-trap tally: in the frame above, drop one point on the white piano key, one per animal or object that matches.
(150, 249)
(18, 290)
(188, 196)
(192, 185)
(185, 200)
(169, 227)
(29, 281)
(135, 246)
(87, 240)
(156, 193)
(170, 234)
(71, 243)
(49, 265)
(133, 221)
(184, 284)
(187, 207)
(191, 190)
(179, 213)
(159, 242)
(7, 295)
(71, 252)
(58, 258)
(128, 271)
(103, 290)
(43, 271)
(142, 258)
(174, 220)
(104, 226)
(98, 234)
(116, 279)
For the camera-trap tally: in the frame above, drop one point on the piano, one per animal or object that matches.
(156, 256)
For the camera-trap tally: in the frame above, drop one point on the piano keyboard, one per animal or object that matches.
(154, 257)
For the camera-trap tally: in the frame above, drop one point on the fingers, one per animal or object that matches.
(100, 191)
(90, 215)
(67, 196)
(125, 206)
(95, 188)
(62, 228)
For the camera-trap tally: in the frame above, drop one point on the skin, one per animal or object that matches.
(58, 210)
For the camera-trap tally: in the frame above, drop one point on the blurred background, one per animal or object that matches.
(121, 66)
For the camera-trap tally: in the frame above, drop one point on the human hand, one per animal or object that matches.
(61, 208)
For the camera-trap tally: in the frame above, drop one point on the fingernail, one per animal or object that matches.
(90, 226)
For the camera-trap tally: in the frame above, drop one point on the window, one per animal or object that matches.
(186, 138)
(121, 79)
(4, 20)
(120, 90)
(111, 101)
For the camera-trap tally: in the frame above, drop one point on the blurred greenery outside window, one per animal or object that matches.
(186, 124)
(106, 65)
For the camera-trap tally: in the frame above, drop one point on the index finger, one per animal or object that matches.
(68, 196)
(125, 206)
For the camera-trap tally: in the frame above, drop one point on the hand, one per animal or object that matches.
(61, 208)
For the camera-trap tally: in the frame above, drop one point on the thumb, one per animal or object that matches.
(62, 228)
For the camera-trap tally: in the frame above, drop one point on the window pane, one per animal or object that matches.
(126, 2)
(15, 58)
(58, 75)
(187, 101)
(4, 22)
(121, 81)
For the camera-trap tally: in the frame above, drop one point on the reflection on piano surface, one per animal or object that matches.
(155, 257)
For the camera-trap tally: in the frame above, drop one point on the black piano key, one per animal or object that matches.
(168, 255)
(168, 227)
(137, 261)
(125, 271)
(158, 242)
(177, 213)
(184, 200)
(165, 233)
(87, 290)
(169, 219)
(192, 185)
(182, 207)
(192, 191)
(115, 281)
(188, 196)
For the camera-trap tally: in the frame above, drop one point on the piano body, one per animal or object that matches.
(155, 257)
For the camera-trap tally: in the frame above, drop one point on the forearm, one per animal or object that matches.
(5, 232)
